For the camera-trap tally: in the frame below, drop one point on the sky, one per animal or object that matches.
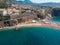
(43, 1)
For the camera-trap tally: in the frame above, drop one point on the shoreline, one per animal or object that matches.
(39, 24)
(21, 25)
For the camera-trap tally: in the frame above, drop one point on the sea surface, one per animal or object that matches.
(30, 36)
(56, 19)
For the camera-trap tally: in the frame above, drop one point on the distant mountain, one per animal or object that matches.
(12, 1)
(50, 4)
(28, 2)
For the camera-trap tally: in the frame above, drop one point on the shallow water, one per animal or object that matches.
(30, 36)
(56, 19)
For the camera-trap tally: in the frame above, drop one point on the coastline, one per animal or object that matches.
(39, 24)
(21, 25)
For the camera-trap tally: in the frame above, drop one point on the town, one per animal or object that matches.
(15, 14)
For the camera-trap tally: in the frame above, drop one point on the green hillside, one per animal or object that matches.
(6, 3)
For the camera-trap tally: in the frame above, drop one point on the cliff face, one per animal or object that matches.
(56, 12)
(26, 2)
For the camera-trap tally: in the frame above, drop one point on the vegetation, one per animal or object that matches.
(3, 5)
(56, 11)
(6, 3)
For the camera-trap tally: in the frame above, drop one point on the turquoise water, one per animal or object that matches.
(30, 36)
(56, 19)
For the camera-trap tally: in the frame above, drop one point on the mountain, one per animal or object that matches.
(28, 2)
(51, 4)
(13, 1)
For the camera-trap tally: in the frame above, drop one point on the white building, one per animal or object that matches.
(3, 12)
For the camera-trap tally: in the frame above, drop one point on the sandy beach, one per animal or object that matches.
(22, 25)
(48, 25)
(51, 25)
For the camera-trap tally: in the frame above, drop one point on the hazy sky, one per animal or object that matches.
(43, 1)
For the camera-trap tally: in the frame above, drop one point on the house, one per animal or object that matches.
(28, 17)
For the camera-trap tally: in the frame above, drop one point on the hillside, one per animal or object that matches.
(50, 4)
(28, 2)
(6, 3)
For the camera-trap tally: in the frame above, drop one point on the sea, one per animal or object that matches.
(56, 19)
(31, 36)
